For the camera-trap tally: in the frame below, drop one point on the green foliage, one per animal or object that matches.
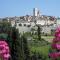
(41, 48)
(17, 53)
(52, 32)
(5, 27)
(18, 45)
(3, 36)
(39, 33)
(34, 56)
(27, 34)
(25, 48)
(39, 56)
(20, 50)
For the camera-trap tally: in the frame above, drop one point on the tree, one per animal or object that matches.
(17, 49)
(4, 27)
(10, 41)
(25, 48)
(19, 46)
(14, 49)
(34, 56)
(39, 32)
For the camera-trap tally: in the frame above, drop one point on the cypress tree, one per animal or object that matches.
(19, 46)
(25, 48)
(14, 46)
(17, 53)
(39, 32)
(9, 41)
(34, 56)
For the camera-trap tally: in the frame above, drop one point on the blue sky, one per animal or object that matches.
(23, 7)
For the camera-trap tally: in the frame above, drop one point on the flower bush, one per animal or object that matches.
(4, 50)
(55, 45)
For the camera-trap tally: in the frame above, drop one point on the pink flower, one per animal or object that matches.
(57, 34)
(57, 39)
(3, 43)
(58, 54)
(54, 55)
(54, 40)
(6, 55)
(57, 29)
(4, 50)
(53, 46)
(58, 46)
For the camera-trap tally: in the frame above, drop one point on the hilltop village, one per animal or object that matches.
(28, 23)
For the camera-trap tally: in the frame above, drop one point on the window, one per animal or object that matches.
(28, 25)
(17, 21)
(20, 24)
(24, 24)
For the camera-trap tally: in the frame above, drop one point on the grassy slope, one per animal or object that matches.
(41, 49)
(44, 49)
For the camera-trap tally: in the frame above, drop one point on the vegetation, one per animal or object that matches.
(39, 33)
(41, 51)
(23, 49)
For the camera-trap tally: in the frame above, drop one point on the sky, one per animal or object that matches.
(9, 8)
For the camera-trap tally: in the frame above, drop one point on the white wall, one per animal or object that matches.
(24, 28)
(12, 23)
(41, 22)
(46, 29)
